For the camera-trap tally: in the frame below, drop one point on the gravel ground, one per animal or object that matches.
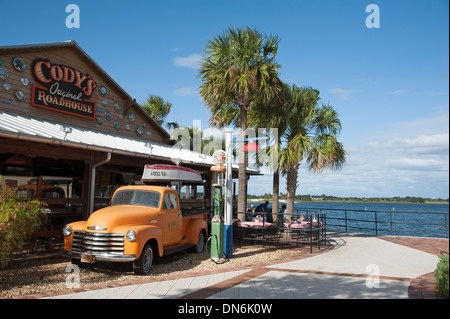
(33, 276)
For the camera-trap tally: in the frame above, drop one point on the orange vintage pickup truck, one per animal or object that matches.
(140, 221)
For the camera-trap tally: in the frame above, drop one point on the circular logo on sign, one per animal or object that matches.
(219, 157)
(19, 64)
(3, 73)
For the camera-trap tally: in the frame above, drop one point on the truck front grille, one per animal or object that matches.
(97, 243)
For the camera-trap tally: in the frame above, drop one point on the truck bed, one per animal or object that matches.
(185, 212)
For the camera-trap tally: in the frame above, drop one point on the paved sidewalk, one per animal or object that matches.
(358, 267)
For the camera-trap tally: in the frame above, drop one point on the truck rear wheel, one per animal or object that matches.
(143, 265)
(200, 243)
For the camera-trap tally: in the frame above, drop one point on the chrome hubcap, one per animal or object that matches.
(148, 259)
(201, 243)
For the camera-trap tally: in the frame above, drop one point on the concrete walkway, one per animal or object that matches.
(358, 267)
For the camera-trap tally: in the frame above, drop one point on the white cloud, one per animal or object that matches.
(423, 144)
(414, 163)
(431, 93)
(185, 91)
(397, 92)
(422, 93)
(412, 166)
(192, 61)
(423, 126)
(343, 94)
(409, 158)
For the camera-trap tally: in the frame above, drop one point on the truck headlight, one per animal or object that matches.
(67, 230)
(131, 235)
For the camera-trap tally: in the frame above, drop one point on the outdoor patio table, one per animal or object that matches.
(255, 224)
(302, 224)
(296, 225)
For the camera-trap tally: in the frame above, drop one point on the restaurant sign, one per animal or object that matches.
(64, 89)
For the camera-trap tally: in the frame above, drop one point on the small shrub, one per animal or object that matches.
(19, 217)
(441, 275)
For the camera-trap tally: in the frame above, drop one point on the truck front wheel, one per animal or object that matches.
(143, 265)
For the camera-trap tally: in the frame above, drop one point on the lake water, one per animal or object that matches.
(417, 220)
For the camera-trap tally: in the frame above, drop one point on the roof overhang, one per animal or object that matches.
(21, 127)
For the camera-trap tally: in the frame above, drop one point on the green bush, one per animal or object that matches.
(19, 217)
(441, 275)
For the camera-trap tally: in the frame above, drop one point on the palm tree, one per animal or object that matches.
(158, 108)
(271, 114)
(309, 138)
(237, 69)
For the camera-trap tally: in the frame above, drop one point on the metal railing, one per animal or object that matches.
(389, 223)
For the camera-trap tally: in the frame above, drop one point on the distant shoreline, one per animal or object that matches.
(283, 201)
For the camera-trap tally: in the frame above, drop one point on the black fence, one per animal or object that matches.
(301, 228)
(387, 223)
(309, 226)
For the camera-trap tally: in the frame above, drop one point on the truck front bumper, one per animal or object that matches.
(100, 257)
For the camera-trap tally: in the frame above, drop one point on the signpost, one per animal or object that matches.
(228, 221)
(228, 215)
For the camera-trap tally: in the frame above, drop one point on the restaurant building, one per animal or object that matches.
(70, 135)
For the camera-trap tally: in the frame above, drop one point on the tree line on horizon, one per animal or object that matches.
(323, 197)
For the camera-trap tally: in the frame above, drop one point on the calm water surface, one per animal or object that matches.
(418, 220)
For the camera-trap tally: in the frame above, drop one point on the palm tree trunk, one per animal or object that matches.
(276, 194)
(276, 184)
(291, 186)
(242, 191)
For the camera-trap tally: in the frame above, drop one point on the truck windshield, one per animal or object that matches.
(136, 197)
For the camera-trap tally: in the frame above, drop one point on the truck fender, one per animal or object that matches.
(144, 234)
(193, 228)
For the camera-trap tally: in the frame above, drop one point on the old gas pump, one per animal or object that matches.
(217, 236)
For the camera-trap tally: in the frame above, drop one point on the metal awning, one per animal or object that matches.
(21, 127)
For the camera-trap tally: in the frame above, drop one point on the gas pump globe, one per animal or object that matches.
(218, 175)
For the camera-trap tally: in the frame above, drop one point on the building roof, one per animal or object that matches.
(21, 127)
(74, 45)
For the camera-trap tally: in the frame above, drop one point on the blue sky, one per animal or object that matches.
(389, 84)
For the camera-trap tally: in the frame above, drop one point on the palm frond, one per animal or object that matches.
(156, 107)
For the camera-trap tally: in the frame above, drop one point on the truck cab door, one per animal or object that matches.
(172, 220)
